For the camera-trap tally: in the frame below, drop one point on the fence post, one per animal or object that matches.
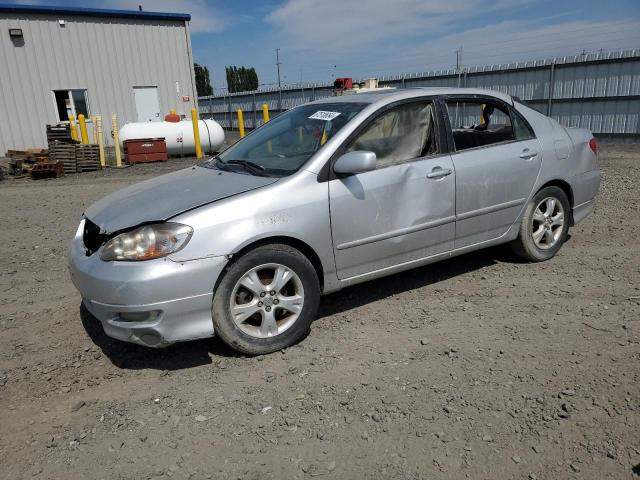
(280, 100)
(552, 80)
(211, 107)
(313, 93)
(403, 77)
(230, 114)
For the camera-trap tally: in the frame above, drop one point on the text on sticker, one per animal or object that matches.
(322, 115)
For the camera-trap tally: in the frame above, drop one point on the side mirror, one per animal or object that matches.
(358, 161)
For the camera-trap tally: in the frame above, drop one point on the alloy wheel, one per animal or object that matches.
(267, 300)
(547, 223)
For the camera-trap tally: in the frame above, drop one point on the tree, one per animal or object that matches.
(203, 84)
(241, 79)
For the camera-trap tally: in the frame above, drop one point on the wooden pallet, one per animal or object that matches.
(65, 153)
(87, 158)
(60, 132)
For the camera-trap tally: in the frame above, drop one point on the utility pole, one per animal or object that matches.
(279, 86)
(459, 63)
(278, 64)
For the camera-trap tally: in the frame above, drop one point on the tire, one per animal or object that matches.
(249, 317)
(542, 233)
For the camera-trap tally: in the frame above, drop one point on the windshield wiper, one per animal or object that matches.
(248, 165)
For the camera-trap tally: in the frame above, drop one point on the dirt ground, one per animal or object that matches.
(480, 367)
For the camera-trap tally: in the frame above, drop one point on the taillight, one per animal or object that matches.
(593, 144)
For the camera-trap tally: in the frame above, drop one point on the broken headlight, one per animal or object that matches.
(147, 242)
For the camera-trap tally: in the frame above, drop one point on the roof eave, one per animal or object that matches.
(93, 12)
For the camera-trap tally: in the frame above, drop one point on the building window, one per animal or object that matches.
(71, 102)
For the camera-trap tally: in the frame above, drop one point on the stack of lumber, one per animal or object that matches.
(30, 155)
(20, 161)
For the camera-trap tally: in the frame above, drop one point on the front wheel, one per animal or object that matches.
(266, 300)
(544, 225)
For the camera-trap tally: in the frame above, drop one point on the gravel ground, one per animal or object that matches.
(479, 367)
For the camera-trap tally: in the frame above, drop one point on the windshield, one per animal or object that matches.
(285, 143)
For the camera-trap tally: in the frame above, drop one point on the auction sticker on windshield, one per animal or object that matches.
(322, 115)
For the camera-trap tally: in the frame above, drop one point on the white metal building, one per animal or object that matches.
(56, 62)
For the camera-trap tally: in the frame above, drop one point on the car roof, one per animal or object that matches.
(391, 95)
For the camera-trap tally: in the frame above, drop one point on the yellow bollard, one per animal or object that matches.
(196, 133)
(241, 123)
(95, 129)
(265, 119)
(116, 139)
(100, 139)
(72, 125)
(172, 111)
(83, 129)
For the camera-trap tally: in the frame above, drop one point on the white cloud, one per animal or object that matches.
(510, 41)
(417, 37)
(204, 18)
(328, 25)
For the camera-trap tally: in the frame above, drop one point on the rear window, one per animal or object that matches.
(521, 128)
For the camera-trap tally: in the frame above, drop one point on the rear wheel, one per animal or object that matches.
(266, 300)
(544, 225)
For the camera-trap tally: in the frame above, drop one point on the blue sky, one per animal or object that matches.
(323, 39)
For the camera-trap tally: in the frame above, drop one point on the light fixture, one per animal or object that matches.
(15, 32)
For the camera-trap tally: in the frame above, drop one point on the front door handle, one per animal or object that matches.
(439, 172)
(527, 154)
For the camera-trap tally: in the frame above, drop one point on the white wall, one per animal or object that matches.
(105, 56)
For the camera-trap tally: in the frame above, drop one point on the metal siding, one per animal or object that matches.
(105, 56)
(588, 91)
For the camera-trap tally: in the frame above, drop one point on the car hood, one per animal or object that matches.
(168, 195)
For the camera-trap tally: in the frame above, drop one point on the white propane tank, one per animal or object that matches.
(177, 135)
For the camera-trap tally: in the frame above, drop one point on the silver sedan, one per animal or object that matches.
(327, 195)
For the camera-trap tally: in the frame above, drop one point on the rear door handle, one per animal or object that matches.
(527, 154)
(439, 172)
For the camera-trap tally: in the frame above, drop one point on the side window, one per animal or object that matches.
(478, 123)
(520, 127)
(402, 134)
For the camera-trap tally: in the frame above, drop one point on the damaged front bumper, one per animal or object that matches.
(153, 303)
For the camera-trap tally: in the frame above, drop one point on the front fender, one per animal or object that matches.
(296, 207)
